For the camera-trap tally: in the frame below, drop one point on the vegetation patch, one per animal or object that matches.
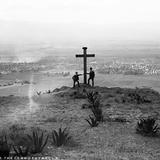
(96, 109)
(92, 121)
(147, 126)
(5, 147)
(60, 137)
(21, 151)
(37, 141)
(140, 96)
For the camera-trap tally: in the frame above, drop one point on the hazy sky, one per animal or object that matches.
(79, 21)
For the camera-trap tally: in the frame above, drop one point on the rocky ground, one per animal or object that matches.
(113, 139)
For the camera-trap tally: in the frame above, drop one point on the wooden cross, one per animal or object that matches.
(85, 55)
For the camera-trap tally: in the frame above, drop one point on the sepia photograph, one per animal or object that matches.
(80, 79)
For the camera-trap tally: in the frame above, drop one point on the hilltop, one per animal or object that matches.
(113, 139)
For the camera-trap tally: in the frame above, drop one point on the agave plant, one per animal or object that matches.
(96, 109)
(147, 126)
(21, 151)
(92, 97)
(92, 121)
(60, 138)
(38, 142)
(97, 112)
(4, 147)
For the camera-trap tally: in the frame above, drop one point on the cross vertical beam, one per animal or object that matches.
(85, 55)
(85, 64)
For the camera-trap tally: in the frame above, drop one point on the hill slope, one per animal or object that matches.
(114, 139)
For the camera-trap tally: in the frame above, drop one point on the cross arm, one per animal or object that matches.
(79, 55)
(88, 55)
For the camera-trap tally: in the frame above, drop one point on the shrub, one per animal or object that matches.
(17, 127)
(136, 96)
(92, 121)
(4, 147)
(21, 151)
(49, 91)
(92, 97)
(60, 137)
(38, 93)
(17, 138)
(97, 112)
(147, 126)
(38, 142)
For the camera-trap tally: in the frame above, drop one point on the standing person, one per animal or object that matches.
(91, 76)
(76, 79)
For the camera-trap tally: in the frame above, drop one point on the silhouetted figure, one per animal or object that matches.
(76, 79)
(91, 76)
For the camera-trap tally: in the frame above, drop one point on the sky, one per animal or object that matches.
(78, 22)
